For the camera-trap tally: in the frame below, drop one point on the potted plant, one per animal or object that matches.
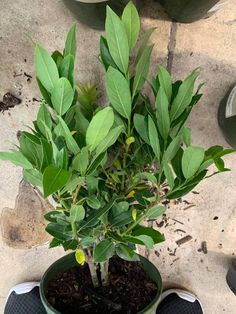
(109, 169)
(93, 12)
(187, 11)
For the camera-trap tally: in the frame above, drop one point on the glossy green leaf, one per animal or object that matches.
(141, 127)
(126, 253)
(156, 236)
(97, 162)
(155, 211)
(144, 43)
(81, 160)
(62, 158)
(172, 149)
(47, 154)
(109, 140)
(105, 54)
(67, 69)
(33, 176)
(77, 213)
(93, 202)
(70, 45)
(146, 176)
(165, 81)
(54, 179)
(131, 20)
(192, 158)
(66, 133)
(153, 138)
(57, 57)
(186, 133)
(46, 68)
(118, 92)
(162, 113)
(17, 158)
(93, 218)
(59, 231)
(44, 121)
(169, 175)
(117, 40)
(44, 93)
(73, 183)
(142, 240)
(62, 96)
(142, 69)
(184, 96)
(99, 127)
(103, 251)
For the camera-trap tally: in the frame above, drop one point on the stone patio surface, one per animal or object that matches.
(208, 217)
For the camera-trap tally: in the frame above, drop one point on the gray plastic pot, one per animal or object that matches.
(68, 261)
(93, 12)
(187, 11)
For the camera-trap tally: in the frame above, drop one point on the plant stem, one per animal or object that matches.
(92, 268)
(104, 273)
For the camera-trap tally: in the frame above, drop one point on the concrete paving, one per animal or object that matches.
(210, 44)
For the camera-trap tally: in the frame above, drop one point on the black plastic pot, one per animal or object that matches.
(93, 12)
(187, 11)
(68, 261)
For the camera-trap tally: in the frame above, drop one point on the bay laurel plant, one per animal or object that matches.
(110, 168)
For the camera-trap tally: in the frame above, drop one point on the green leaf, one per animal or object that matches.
(67, 69)
(184, 96)
(99, 127)
(145, 39)
(47, 154)
(141, 239)
(46, 68)
(141, 127)
(70, 141)
(117, 40)
(153, 138)
(192, 158)
(93, 218)
(142, 70)
(103, 251)
(17, 158)
(59, 231)
(72, 184)
(169, 175)
(131, 20)
(33, 176)
(156, 236)
(172, 149)
(57, 57)
(109, 140)
(93, 202)
(62, 96)
(121, 219)
(105, 54)
(165, 81)
(54, 179)
(186, 133)
(162, 113)
(118, 92)
(155, 211)
(183, 190)
(96, 162)
(44, 93)
(62, 158)
(81, 161)
(44, 121)
(30, 148)
(70, 45)
(77, 213)
(126, 253)
(146, 176)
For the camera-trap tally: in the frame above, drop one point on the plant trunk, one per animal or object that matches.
(98, 271)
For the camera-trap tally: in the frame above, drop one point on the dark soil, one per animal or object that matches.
(9, 101)
(130, 290)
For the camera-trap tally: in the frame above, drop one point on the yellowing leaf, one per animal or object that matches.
(134, 214)
(80, 257)
(131, 194)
